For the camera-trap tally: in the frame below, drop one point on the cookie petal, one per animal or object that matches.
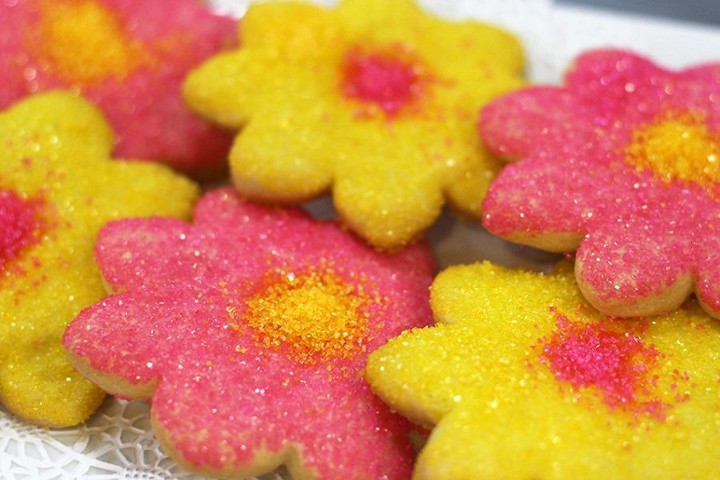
(521, 124)
(135, 244)
(548, 209)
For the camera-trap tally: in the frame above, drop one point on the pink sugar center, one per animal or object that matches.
(17, 224)
(380, 79)
(615, 362)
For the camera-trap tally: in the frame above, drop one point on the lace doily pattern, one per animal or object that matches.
(117, 443)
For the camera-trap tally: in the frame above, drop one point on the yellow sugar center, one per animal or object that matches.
(86, 43)
(314, 316)
(677, 147)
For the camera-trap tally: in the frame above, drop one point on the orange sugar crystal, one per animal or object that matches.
(315, 315)
(86, 43)
(677, 146)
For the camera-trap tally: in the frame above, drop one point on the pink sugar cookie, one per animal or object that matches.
(249, 331)
(622, 163)
(127, 56)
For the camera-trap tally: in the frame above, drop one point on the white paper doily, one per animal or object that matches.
(117, 443)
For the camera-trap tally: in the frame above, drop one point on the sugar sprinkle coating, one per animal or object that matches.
(363, 100)
(622, 163)
(522, 378)
(249, 330)
(57, 188)
(129, 57)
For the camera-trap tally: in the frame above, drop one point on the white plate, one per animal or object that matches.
(117, 442)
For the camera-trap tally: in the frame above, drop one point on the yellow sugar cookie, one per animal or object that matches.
(57, 188)
(374, 100)
(522, 378)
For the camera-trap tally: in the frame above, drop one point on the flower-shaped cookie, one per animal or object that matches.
(524, 379)
(57, 188)
(249, 330)
(622, 164)
(373, 99)
(130, 58)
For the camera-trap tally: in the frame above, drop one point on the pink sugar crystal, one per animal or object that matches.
(17, 224)
(622, 163)
(194, 323)
(617, 363)
(380, 79)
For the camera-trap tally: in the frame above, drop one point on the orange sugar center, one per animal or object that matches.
(312, 316)
(677, 147)
(86, 43)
